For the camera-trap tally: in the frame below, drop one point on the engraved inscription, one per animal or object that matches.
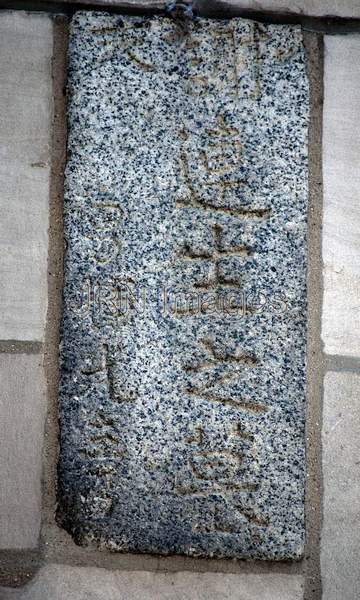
(184, 323)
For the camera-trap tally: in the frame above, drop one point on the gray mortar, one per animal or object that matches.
(57, 546)
(315, 361)
(21, 347)
(55, 277)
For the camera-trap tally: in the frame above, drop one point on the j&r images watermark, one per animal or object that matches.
(120, 299)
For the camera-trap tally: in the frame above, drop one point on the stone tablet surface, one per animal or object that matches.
(184, 325)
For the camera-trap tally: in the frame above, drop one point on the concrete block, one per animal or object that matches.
(25, 120)
(72, 583)
(22, 409)
(340, 546)
(341, 160)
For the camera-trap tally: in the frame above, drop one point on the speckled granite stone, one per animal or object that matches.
(183, 337)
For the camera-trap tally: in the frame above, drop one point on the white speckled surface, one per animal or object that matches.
(182, 431)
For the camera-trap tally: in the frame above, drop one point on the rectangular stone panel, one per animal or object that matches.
(25, 133)
(183, 335)
(341, 229)
(23, 409)
(340, 536)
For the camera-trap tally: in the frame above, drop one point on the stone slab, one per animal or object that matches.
(183, 336)
(60, 582)
(22, 408)
(340, 542)
(25, 108)
(341, 229)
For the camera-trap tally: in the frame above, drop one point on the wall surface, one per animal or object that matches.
(25, 133)
(340, 543)
(33, 141)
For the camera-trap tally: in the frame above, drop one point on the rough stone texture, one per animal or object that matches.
(340, 545)
(69, 583)
(25, 101)
(341, 250)
(22, 409)
(182, 426)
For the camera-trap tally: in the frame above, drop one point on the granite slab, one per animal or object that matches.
(184, 323)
